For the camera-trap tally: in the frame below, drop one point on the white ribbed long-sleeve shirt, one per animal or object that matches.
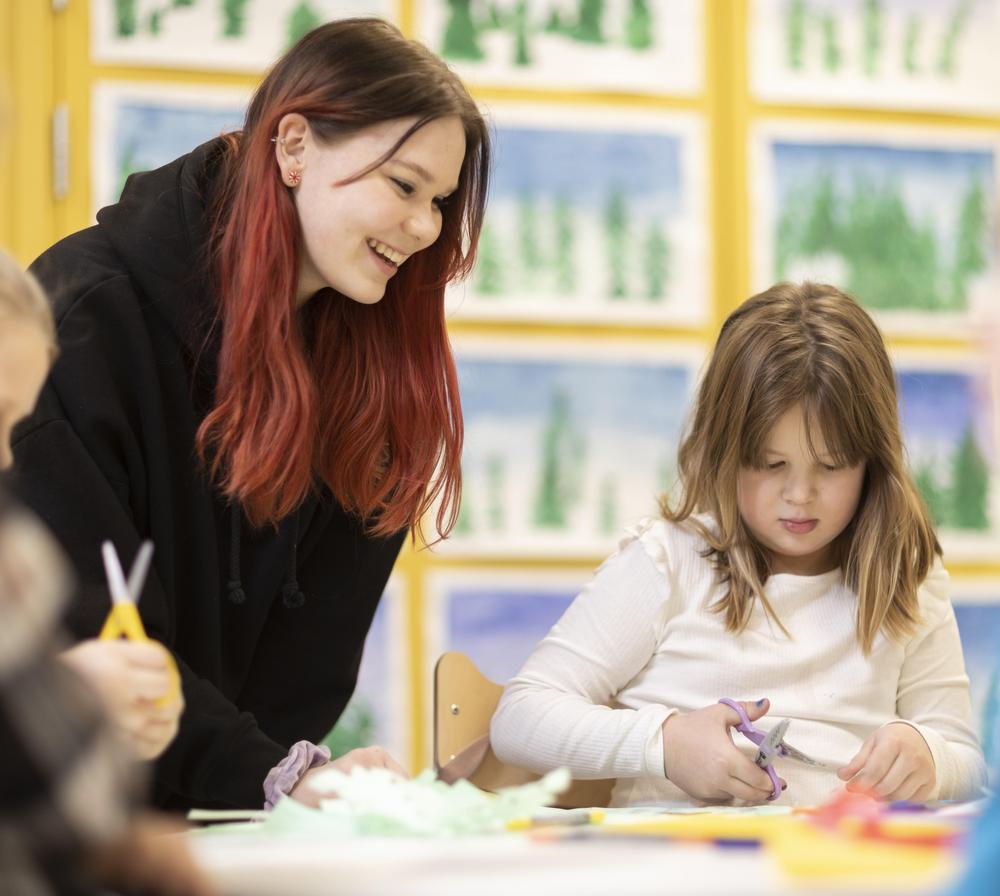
(640, 643)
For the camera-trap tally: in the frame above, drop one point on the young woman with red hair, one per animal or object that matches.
(254, 373)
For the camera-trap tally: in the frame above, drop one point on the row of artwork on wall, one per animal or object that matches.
(911, 54)
(497, 616)
(598, 214)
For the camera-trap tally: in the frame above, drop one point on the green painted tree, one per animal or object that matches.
(564, 261)
(464, 523)
(952, 35)
(970, 242)
(461, 38)
(639, 25)
(554, 23)
(796, 20)
(911, 44)
(616, 236)
(522, 56)
(155, 25)
(590, 22)
(832, 55)
(355, 728)
(234, 17)
(302, 19)
(970, 485)
(871, 46)
(489, 271)
(496, 492)
(822, 225)
(935, 497)
(126, 18)
(656, 260)
(128, 166)
(528, 241)
(562, 458)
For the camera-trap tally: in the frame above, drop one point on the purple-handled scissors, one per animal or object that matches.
(770, 745)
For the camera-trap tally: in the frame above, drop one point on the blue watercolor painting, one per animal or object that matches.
(906, 229)
(498, 625)
(979, 626)
(600, 221)
(947, 426)
(147, 132)
(561, 454)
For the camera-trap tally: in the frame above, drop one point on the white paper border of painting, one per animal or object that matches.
(108, 98)
(583, 546)
(764, 213)
(772, 82)
(682, 58)
(690, 301)
(974, 591)
(208, 55)
(441, 583)
(957, 545)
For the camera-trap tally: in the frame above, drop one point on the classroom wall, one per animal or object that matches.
(656, 163)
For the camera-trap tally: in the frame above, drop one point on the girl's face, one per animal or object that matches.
(356, 235)
(798, 504)
(24, 364)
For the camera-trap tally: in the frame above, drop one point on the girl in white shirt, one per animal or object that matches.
(798, 571)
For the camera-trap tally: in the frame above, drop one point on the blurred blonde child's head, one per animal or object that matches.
(807, 353)
(27, 347)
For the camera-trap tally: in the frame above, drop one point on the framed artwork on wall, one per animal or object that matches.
(899, 54)
(228, 35)
(903, 219)
(632, 46)
(596, 215)
(566, 442)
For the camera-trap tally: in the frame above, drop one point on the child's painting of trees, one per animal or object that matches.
(236, 35)
(565, 444)
(977, 610)
(905, 223)
(912, 54)
(378, 713)
(595, 215)
(947, 418)
(141, 127)
(638, 46)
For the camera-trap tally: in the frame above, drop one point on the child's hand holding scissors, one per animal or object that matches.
(894, 763)
(137, 678)
(699, 755)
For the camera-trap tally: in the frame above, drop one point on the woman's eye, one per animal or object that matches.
(830, 468)
(405, 188)
(441, 202)
(776, 465)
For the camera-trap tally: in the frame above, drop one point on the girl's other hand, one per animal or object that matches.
(699, 755)
(894, 763)
(130, 677)
(363, 757)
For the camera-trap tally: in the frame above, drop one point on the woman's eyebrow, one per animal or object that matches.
(420, 171)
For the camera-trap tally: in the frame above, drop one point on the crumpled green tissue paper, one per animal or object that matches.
(378, 802)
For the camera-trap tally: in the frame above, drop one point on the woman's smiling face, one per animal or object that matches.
(357, 233)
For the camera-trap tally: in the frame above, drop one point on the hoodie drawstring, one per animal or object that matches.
(291, 595)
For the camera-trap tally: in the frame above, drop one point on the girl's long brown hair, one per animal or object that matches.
(813, 346)
(370, 405)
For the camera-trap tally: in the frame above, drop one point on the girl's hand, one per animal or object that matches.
(699, 755)
(130, 677)
(894, 763)
(364, 757)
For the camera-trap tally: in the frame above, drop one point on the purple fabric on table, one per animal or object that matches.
(287, 773)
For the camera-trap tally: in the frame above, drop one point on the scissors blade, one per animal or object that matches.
(799, 756)
(770, 746)
(140, 569)
(116, 578)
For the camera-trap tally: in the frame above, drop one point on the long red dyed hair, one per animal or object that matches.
(362, 398)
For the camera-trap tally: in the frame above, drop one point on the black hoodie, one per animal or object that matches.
(267, 625)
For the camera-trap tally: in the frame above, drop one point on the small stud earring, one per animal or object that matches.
(280, 140)
(294, 176)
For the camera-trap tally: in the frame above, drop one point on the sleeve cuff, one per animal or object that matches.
(653, 765)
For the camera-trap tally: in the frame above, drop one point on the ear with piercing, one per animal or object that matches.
(293, 176)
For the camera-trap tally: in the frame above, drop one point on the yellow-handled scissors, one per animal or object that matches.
(124, 621)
